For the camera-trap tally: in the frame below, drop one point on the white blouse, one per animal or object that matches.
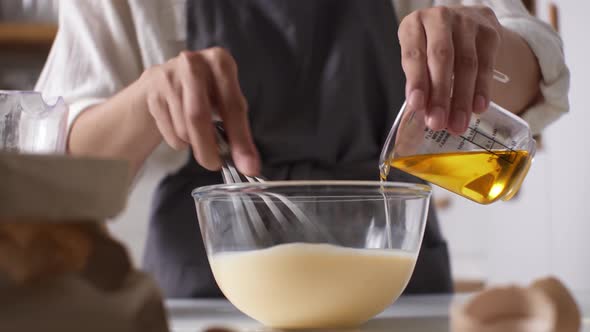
(104, 45)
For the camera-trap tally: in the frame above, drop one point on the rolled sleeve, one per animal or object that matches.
(547, 47)
(94, 55)
(554, 86)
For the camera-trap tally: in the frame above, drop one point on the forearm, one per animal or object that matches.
(517, 60)
(121, 128)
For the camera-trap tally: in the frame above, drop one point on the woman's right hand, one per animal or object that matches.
(183, 94)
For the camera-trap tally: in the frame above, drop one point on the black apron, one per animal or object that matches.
(323, 82)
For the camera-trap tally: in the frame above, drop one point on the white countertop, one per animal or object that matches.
(408, 314)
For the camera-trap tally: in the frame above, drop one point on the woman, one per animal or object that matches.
(306, 90)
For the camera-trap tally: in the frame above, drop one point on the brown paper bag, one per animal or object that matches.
(59, 188)
(60, 270)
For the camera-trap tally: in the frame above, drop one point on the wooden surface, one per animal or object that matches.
(26, 36)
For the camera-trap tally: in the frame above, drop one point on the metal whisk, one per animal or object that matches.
(285, 217)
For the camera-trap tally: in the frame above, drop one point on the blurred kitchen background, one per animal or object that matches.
(545, 230)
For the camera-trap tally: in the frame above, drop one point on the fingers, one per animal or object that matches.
(233, 109)
(173, 95)
(161, 114)
(163, 104)
(487, 44)
(441, 54)
(412, 40)
(448, 53)
(197, 80)
(186, 93)
(466, 68)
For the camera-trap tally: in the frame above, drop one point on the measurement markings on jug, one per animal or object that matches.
(489, 144)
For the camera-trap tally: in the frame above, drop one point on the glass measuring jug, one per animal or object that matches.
(486, 163)
(30, 125)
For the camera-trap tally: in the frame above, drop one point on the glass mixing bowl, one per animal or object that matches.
(312, 254)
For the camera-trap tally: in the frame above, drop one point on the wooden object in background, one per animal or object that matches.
(23, 50)
(530, 5)
(554, 16)
(18, 37)
(442, 203)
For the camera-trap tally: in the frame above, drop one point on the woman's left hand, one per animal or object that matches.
(449, 50)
